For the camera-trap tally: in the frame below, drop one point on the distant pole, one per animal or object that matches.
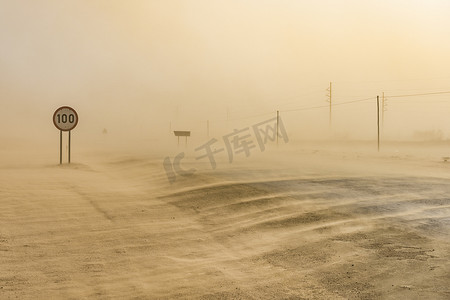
(378, 121)
(228, 117)
(382, 111)
(69, 144)
(170, 127)
(207, 128)
(329, 100)
(60, 147)
(278, 122)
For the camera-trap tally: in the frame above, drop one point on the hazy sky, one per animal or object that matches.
(140, 64)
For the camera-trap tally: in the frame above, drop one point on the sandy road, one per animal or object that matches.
(117, 229)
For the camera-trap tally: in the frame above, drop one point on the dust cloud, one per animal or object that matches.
(229, 212)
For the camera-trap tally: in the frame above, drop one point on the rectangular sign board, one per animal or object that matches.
(182, 133)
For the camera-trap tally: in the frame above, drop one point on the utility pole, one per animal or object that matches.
(329, 95)
(378, 121)
(228, 117)
(383, 109)
(207, 129)
(278, 122)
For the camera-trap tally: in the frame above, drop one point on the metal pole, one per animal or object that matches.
(278, 122)
(60, 147)
(378, 121)
(330, 105)
(69, 144)
(382, 111)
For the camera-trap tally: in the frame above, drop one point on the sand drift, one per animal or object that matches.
(118, 229)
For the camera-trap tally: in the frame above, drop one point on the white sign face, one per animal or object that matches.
(65, 118)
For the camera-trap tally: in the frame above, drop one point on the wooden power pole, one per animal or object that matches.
(382, 110)
(278, 124)
(378, 121)
(329, 95)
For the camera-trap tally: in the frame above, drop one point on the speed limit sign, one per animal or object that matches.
(65, 118)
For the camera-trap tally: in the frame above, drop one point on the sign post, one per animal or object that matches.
(65, 118)
(182, 133)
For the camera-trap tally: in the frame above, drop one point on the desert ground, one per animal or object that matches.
(302, 221)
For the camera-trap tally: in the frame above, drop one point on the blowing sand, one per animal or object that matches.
(299, 223)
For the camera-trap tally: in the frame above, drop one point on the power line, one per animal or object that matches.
(390, 80)
(290, 110)
(422, 94)
(333, 104)
(402, 101)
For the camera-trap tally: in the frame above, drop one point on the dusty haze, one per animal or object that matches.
(135, 67)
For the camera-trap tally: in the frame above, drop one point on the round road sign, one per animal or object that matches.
(65, 118)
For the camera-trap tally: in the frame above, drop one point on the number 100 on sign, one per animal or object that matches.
(65, 118)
